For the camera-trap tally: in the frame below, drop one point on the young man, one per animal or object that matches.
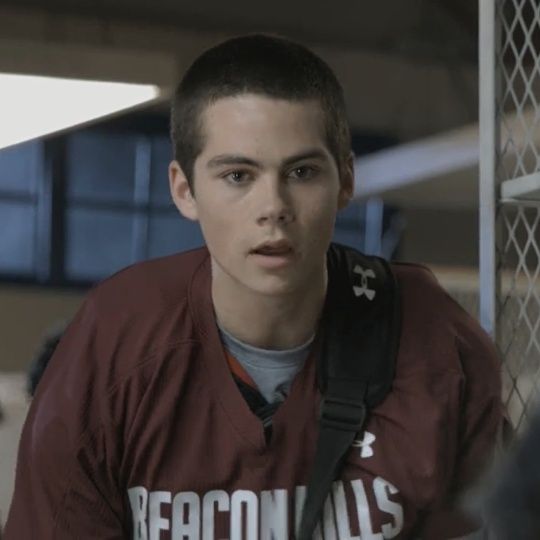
(182, 401)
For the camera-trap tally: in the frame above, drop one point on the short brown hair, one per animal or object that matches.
(257, 64)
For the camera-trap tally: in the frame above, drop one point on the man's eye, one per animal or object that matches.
(236, 177)
(302, 173)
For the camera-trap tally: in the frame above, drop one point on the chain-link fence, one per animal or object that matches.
(517, 179)
(519, 309)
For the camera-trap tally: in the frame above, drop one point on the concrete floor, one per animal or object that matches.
(14, 404)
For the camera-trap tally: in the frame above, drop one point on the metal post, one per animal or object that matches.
(488, 165)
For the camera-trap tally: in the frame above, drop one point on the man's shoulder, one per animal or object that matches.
(422, 293)
(420, 289)
(147, 306)
(133, 318)
(415, 275)
(430, 311)
(426, 300)
(150, 283)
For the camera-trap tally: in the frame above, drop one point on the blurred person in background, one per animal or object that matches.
(37, 368)
(182, 400)
(509, 502)
(1, 420)
(42, 357)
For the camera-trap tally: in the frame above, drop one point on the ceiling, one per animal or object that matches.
(442, 30)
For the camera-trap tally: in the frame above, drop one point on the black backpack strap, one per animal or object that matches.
(361, 328)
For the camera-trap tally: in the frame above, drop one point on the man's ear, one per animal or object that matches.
(346, 189)
(181, 192)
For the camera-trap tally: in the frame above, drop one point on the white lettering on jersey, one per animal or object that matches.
(329, 523)
(364, 443)
(364, 517)
(216, 497)
(157, 523)
(265, 515)
(299, 500)
(274, 523)
(382, 490)
(244, 507)
(186, 516)
(138, 500)
(342, 515)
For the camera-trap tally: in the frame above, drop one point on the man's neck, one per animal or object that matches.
(267, 321)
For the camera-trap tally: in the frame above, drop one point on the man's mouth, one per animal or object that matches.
(278, 248)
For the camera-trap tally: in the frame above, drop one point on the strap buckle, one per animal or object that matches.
(342, 414)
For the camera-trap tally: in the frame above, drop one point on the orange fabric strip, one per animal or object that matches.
(236, 367)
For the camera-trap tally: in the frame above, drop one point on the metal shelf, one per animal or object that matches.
(443, 170)
(525, 188)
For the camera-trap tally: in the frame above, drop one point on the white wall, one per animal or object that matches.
(14, 405)
(26, 314)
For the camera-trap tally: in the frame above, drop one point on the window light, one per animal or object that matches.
(34, 106)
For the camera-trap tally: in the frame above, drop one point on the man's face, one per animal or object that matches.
(266, 193)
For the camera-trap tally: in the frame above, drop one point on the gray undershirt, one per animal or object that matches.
(271, 370)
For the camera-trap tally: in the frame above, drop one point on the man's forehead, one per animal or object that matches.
(253, 105)
(262, 97)
(246, 119)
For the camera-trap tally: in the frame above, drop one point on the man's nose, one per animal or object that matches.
(275, 205)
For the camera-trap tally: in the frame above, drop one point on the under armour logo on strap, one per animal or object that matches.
(364, 289)
(364, 443)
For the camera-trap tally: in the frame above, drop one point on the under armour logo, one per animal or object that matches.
(364, 444)
(364, 289)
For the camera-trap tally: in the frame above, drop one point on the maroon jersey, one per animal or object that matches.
(139, 431)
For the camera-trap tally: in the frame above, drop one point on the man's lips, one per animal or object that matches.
(273, 255)
(280, 247)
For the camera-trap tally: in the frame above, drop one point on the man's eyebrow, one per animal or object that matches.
(231, 159)
(309, 154)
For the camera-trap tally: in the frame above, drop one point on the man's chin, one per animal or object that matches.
(277, 286)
